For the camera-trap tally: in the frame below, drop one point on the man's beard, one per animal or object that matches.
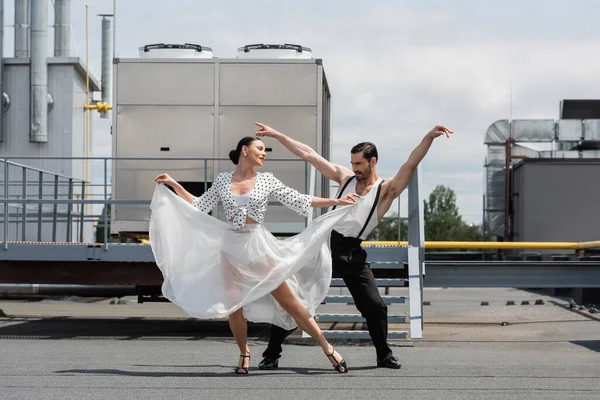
(362, 175)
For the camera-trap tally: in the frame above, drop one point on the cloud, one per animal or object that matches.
(395, 68)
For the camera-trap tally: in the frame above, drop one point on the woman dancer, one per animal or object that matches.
(238, 269)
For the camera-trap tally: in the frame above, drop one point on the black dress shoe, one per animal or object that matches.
(389, 362)
(268, 363)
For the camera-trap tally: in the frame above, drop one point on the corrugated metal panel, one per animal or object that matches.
(495, 199)
(495, 188)
(532, 130)
(496, 155)
(569, 130)
(591, 129)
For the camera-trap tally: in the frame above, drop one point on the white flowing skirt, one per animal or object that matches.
(211, 270)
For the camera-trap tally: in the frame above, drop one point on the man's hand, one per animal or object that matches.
(392, 188)
(264, 130)
(348, 199)
(438, 131)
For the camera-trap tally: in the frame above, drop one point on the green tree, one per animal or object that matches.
(388, 229)
(443, 220)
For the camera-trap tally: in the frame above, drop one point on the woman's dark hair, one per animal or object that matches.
(234, 155)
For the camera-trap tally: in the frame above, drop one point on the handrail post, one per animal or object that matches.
(41, 196)
(6, 194)
(416, 253)
(55, 208)
(106, 205)
(24, 208)
(70, 212)
(82, 211)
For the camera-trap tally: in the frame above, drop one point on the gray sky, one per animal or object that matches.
(395, 68)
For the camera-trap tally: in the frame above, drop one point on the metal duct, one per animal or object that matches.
(106, 62)
(569, 130)
(591, 129)
(39, 71)
(1, 69)
(495, 178)
(522, 151)
(498, 132)
(22, 20)
(563, 146)
(543, 130)
(62, 26)
(532, 130)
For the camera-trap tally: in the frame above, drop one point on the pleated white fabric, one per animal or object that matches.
(211, 270)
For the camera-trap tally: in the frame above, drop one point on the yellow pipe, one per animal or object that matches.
(484, 245)
(594, 244)
(101, 107)
(492, 245)
(87, 101)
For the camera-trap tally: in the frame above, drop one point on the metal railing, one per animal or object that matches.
(22, 197)
(74, 210)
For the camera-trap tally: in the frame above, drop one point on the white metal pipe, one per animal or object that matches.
(22, 21)
(62, 25)
(39, 71)
(106, 63)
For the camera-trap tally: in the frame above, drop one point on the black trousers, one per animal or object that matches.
(362, 286)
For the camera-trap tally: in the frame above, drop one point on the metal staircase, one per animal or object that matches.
(390, 261)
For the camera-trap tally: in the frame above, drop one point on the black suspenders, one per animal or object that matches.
(342, 191)
(372, 208)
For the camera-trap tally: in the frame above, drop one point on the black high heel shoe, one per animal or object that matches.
(340, 365)
(243, 370)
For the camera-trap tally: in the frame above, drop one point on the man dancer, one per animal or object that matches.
(349, 258)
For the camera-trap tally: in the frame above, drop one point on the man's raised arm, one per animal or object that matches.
(395, 186)
(332, 171)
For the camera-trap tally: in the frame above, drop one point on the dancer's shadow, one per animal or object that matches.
(298, 370)
(227, 370)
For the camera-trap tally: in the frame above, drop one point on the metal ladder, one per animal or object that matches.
(394, 261)
(357, 318)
